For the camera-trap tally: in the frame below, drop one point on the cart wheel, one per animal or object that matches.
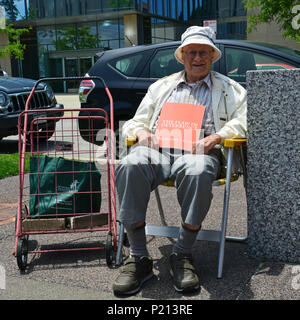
(22, 252)
(109, 250)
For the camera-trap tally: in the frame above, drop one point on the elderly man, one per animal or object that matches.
(146, 166)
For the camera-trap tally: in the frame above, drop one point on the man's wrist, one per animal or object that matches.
(142, 133)
(217, 138)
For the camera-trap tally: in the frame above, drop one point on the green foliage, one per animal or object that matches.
(71, 39)
(126, 4)
(9, 165)
(14, 48)
(10, 9)
(286, 13)
(283, 12)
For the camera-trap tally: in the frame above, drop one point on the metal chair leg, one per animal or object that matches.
(160, 208)
(120, 245)
(243, 161)
(237, 239)
(225, 213)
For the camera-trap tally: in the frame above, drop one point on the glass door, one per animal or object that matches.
(76, 67)
(71, 70)
(85, 65)
(56, 70)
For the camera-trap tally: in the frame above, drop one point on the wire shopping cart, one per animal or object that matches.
(69, 186)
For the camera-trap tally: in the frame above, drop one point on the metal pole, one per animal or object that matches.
(225, 212)
(120, 245)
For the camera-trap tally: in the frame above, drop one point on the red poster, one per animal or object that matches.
(179, 125)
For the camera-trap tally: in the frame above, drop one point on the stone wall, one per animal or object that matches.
(273, 185)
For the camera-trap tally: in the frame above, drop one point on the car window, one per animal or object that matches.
(128, 65)
(239, 61)
(164, 63)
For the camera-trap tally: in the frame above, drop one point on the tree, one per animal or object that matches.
(14, 48)
(71, 39)
(10, 9)
(286, 13)
(125, 4)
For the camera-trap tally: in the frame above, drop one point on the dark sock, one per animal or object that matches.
(185, 240)
(137, 240)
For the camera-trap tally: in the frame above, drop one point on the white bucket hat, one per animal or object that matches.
(198, 35)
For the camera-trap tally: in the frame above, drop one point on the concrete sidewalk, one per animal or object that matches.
(85, 275)
(8, 199)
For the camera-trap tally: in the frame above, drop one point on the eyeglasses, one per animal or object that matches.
(192, 54)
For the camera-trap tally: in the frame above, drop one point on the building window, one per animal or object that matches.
(179, 10)
(232, 30)
(46, 42)
(153, 6)
(87, 36)
(164, 30)
(60, 8)
(73, 7)
(145, 5)
(240, 8)
(66, 37)
(157, 30)
(167, 8)
(46, 37)
(46, 9)
(170, 31)
(173, 10)
(110, 33)
(114, 5)
(92, 6)
(231, 8)
(160, 10)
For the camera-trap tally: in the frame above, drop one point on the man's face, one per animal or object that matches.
(197, 61)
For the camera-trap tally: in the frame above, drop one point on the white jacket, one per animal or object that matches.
(229, 106)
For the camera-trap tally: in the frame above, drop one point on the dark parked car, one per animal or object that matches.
(128, 72)
(13, 95)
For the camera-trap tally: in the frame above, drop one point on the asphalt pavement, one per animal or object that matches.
(84, 275)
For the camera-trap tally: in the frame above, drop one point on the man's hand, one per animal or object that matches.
(204, 145)
(147, 139)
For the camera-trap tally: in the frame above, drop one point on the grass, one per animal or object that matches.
(9, 165)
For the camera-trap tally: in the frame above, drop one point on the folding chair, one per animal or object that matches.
(232, 145)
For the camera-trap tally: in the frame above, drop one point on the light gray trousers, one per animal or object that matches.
(143, 169)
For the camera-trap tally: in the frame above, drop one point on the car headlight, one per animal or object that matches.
(4, 101)
(50, 92)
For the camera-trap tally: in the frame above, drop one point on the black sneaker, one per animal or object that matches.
(183, 273)
(132, 276)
